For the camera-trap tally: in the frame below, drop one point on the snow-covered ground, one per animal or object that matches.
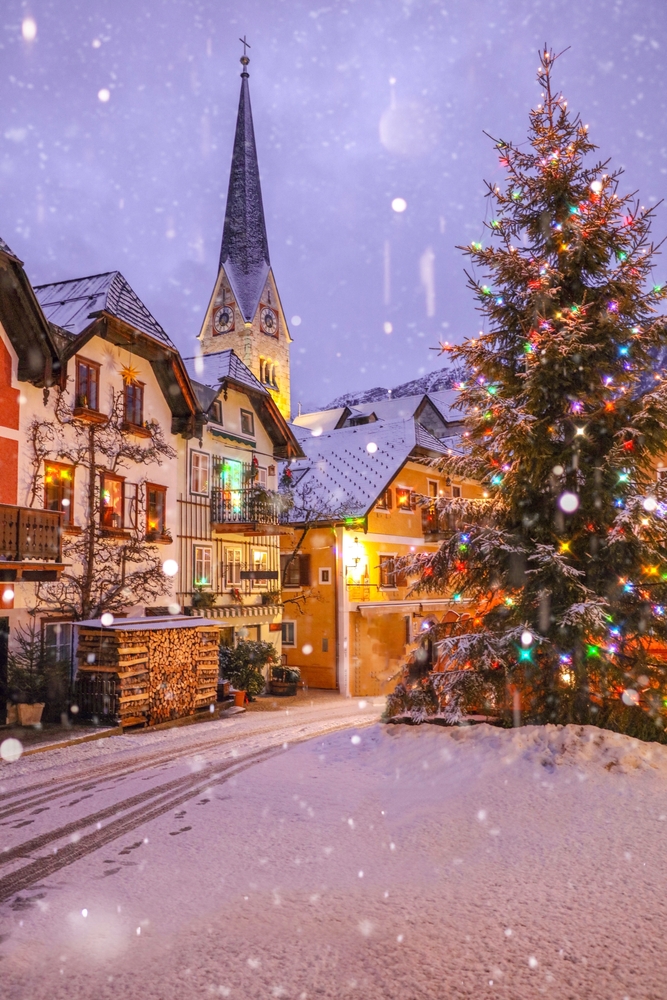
(373, 862)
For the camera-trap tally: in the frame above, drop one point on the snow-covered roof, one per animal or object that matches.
(6, 249)
(345, 471)
(245, 247)
(73, 305)
(212, 369)
(326, 420)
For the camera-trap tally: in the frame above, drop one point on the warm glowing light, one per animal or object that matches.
(29, 29)
(565, 546)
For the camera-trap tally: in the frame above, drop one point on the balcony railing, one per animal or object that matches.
(247, 506)
(440, 523)
(29, 535)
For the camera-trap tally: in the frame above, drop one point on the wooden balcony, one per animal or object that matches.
(248, 511)
(30, 544)
(438, 525)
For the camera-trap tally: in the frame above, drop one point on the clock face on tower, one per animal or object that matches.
(268, 321)
(223, 320)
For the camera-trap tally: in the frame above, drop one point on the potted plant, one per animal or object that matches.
(202, 599)
(245, 667)
(26, 674)
(270, 597)
(284, 680)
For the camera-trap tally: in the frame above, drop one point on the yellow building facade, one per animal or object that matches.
(349, 621)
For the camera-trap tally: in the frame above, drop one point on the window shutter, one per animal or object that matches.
(399, 577)
(283, 562)
(304, 569)
(413, 500)
(389, 495)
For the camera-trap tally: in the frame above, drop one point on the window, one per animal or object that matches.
(87, 384)
(202, 566)
(325, 574)
(325, 645)
(134, 403)
(57, 642)
(260, 564)
(289, 633)
(390, 576)
(247, 422)
(156, 520)
(112, 501)
(432, 487)
(404, 499)
(662, 474)
(131, 513)
(59, 489)
(233, 563)
(297, 573)
(215, 412)
(385, 501)
(456, 491)
(262, 478)
(200, 465)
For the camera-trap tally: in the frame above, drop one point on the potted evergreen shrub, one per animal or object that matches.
(26, 674)
(245, 667)
(284, 680)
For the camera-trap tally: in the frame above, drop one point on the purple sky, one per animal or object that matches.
(137, 183)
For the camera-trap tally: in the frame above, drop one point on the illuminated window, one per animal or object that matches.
(202, 566)
(200, 465)
(59, 489)
(133, 402)
(247, 422)
(385, 501)
(112, 501)
(404, 499)
(157, 510)
(87, 384)
(260, 564)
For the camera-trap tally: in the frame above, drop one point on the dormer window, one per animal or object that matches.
(87, 384)
(247, 423)
(215, 412)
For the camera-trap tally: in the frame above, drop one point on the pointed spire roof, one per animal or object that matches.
(245, 247)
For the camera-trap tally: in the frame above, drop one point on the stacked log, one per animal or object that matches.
(134, 676)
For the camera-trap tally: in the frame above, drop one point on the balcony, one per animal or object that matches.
(30, 544)
(438, 524)
(249, 511)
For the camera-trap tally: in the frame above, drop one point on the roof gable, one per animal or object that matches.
(74, 305)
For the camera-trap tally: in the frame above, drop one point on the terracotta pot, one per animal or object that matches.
(30, 715)
(239, 698)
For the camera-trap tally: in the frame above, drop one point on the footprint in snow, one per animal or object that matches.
(43, 809)
(110, 871)
(175, 833)
(132, 847)
(24, 822)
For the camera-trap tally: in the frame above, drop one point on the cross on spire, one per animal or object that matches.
(246, 45)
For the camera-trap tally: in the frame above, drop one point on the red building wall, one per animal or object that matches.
(9, 417)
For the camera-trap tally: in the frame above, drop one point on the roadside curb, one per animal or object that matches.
(188, 720)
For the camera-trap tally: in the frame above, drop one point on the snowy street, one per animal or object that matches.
(360, 860)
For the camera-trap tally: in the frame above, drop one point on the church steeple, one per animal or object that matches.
(245, 312)
(245, 247)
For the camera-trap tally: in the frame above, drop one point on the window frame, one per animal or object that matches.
(207, 455)
(236, 564)
(251, 415)
(290, 623)
(456, 492)
(386, 559)
(198, 583)
(161, 490)
(263, 565)
(111, 476)
(409, 507)
(321, 571)
(68, 510)
(95, 367)
(432, 483)
(134, 387)
(386, 500)
(216, 408)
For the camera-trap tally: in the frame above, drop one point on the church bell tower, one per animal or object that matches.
(245, 312)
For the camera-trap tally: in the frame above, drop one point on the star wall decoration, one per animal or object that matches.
(130, 373)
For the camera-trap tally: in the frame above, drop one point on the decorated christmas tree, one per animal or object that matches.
(565, 562)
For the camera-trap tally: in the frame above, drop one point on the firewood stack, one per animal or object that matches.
(141, 671)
